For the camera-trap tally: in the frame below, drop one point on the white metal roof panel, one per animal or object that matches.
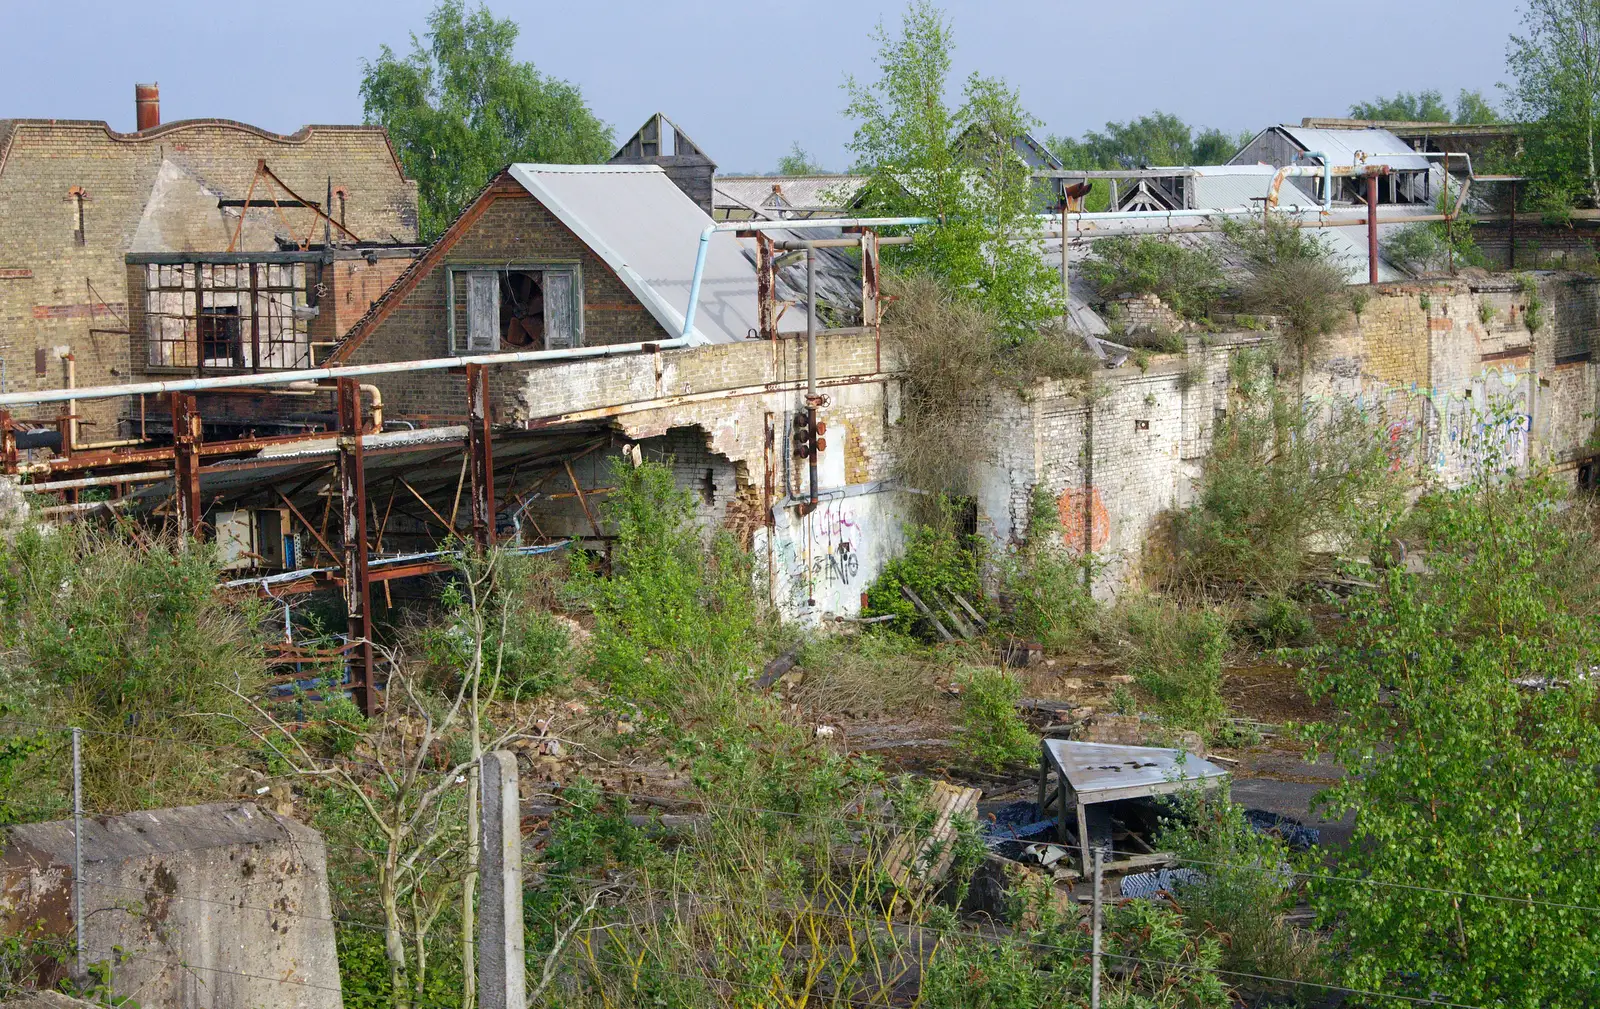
(1380, 146)
(648, 231)
(1094, 769)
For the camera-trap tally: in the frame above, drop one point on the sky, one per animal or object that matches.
(747, 78)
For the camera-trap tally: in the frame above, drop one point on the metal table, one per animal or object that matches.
(1091, 773)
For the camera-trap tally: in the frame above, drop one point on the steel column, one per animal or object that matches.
(766, 288)
(8, 442)
(357, 570)
(186, 463)
(1372, 227)
(481, 451)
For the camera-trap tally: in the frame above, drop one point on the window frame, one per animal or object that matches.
(456, 342)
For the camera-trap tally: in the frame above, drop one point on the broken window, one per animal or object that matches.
(514, 308)
(232, 316)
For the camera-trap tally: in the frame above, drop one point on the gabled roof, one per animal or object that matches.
(643, 226)
(646, 142)
(1378, 147)
(637, 222)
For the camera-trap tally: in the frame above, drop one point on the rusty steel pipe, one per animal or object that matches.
(1372, 227)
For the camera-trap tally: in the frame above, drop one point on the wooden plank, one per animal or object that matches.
(922, 608)
(912, 862)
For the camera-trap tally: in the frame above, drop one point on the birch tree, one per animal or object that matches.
(1556, 63)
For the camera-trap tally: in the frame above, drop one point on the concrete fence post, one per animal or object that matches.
(502, 972)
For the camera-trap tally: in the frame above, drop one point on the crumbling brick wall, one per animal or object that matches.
(59, 292)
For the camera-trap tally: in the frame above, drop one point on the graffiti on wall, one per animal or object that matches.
(822, 562)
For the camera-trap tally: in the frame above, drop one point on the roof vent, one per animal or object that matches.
(147, 106)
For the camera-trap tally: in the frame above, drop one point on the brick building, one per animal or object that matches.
(108, 238)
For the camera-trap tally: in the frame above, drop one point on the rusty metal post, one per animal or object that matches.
(766, 288)
(481, 451)
(1449, 236)
(812, 399)
(8, 443)
(1066, 287)
(357, 572)
(871, 294)
(1372, 226)
(186, 463)
(1511, 231)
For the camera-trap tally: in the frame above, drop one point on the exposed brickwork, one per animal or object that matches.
(46, 165)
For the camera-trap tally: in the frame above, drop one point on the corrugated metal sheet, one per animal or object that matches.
(648, 231)
(1380, 146)
(779, 192)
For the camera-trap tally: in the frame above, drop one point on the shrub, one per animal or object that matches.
(1277, 621)
(1293, 277)
(992, 732)
(939, 561)
(1281, 477)
(674, 611)
(105, 633)
(1050, 603)
(1176, 656)
(526, 650)
(1188, 280)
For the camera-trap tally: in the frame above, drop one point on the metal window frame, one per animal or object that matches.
(570, 266)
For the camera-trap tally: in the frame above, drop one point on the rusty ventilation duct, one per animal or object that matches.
(147, 106)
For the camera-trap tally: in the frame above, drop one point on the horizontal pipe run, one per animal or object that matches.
(842, 243)
(833, 222)
(153, 476)
(346, 371)
(84, 506)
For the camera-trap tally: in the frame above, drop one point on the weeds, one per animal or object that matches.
(1277, 621)
(1533, 311)
(1292, 277)
(1176, 656)
(992, 733)
(1045, 583)
(1188, 280)
(939, 561)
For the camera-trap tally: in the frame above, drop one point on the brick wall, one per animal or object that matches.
(55, 292)
(514, 228)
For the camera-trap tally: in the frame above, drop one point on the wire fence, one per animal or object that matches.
(709, 808)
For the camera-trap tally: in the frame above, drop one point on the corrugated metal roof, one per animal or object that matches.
(775, 192)
(648, 231)
(1380, 146)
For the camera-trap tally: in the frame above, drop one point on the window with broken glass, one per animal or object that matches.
(227, 317)
(514, 308)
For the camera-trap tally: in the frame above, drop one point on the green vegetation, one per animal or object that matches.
(1283, 475)
(1176, 655)
(1467, 718)
(1293, 277)
(1157, 139)
(460, 107)
(991, 732)
(1556, 96)
(1187, 280)
(956, 165)
(1434, 246)
(939, 561)
(1428, 106)
(799, 162)
(1045, 582)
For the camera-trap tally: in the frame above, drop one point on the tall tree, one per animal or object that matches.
(1556, 63)
(461, 107)
(1428, 106)
(799, 162)
(958, 165)
(1157, 139)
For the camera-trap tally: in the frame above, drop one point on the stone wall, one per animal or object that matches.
(223, 906)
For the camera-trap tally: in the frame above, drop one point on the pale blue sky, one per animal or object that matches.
(744, 77)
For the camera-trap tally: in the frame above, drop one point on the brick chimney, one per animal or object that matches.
(147, 106)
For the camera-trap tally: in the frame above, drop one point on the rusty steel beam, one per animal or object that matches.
(577, 489)
(186, 464)
(766, 288)
(357, 569)
(8, 443)
(1372, 227)
(481, 450)
(671, 402)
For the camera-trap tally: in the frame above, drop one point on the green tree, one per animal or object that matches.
(1467, 723)
(460, 107)
(1428, 106)
(1157, 139)
(799, 162)
(955, 164)
(1556, 63)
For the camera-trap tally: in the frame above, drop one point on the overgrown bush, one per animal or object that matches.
(1188, 280)
(1278, 621)
(675, 611)
(953, 354)
(126, 638)
(1176, 655)
(1292, 276)
(1467, 723)
(1283, 476)
(992, 733)
(1044, 582)
(1246, 887)
(526, 650)
(939, 561)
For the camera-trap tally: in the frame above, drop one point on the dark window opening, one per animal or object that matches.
(522, 310)
(708, 488)
(220, 343)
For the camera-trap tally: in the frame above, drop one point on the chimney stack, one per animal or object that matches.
(147, 106)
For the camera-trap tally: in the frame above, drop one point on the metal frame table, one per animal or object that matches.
(1092, 773)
